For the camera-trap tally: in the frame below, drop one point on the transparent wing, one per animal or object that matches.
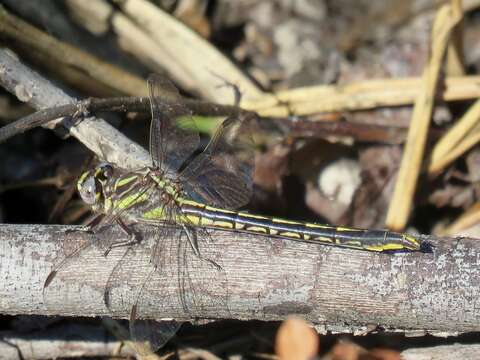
(202, 281)
(155, 334)
(199, 287)
(72, 255)
(173, 135)
(67, 262)
(127, 291)
(222, 174)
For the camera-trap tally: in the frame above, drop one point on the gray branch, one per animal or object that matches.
(69, 341)
(104, 140)
(444, 352)
(260, 278)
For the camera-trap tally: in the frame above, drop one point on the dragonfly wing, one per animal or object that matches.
(72, 255)
(125, 279)
(173, 135)
(202, 282)
(155, 333)
(222, 174)
(67, 259)
(116, 279)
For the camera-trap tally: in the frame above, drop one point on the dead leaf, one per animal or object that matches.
(296, 340)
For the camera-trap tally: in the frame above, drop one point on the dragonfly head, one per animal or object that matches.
(92, 183)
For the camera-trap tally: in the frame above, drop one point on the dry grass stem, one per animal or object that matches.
(64, 55)
(357, 96)
(460, 138)
(447, 17)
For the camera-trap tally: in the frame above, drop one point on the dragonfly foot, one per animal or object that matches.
(426, 247)
(134, 240)
(211, 262)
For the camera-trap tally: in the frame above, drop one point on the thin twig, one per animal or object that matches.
(118, 104)
(361, 132)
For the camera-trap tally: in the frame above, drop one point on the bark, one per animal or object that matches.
(260, 278)
(444, 352)
(70, 341)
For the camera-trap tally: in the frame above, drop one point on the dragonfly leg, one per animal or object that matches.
(133, 237)
(193, 240)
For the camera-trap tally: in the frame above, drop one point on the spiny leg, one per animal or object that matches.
(193, 241)
(133, 237)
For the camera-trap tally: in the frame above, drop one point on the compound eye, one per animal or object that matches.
(106, 170)
(88, 191)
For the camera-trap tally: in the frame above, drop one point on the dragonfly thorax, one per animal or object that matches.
(170, 190)
(111, 190)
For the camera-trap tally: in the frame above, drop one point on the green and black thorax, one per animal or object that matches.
(132, 195)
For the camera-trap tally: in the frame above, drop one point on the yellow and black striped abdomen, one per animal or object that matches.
(372, 240)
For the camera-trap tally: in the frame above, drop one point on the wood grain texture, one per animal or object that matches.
(262, 278)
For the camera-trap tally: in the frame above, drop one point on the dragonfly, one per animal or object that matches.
(189, 192)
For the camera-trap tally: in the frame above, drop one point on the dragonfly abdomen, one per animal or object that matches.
(372, 240)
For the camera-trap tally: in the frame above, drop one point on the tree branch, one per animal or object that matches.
(262, 278)
(71, 340)
(104, 140)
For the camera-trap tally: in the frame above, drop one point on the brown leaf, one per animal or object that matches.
(296, 340)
